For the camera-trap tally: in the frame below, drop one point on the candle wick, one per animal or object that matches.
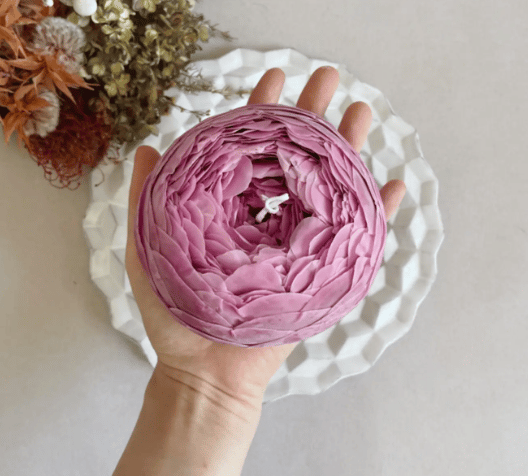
(271, 205)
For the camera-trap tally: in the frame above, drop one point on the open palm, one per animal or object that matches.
(237, 371)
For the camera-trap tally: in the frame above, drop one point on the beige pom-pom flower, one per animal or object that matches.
(57, 36)
(44, 120)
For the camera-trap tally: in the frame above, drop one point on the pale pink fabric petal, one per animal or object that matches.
(232, 260)
(251, 277)
(232, 279)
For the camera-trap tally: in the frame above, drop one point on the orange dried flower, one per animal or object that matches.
(21, 106)
(24, 72)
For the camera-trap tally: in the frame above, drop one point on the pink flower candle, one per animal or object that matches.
(260, 226)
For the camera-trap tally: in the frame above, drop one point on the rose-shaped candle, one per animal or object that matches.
(260, 226)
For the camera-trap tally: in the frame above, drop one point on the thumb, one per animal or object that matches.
(144, 162)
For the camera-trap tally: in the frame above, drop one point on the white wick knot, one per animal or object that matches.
(271, 205)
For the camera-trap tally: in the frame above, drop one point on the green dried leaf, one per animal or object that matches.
(166, 55)
(149, 5)
(123, 80)
(111, 89)
(150, 34)
(117, 68)
(167, 71)
(203, 33)
(98, 69)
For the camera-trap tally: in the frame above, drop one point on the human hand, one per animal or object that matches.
(241, 373)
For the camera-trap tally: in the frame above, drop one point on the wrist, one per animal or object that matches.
(242, 403)
(212, 430)
(187, 426)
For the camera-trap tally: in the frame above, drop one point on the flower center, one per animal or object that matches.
(271, 205)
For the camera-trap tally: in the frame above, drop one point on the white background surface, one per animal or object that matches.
(448, 398)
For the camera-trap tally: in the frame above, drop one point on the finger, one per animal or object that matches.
(144, 162)
(269, 88)
(392, 194)
(355, 125)
(319, 89)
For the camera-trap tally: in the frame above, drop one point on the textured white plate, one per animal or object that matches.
(392, 151)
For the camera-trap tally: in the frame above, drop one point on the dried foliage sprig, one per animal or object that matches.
(139, 49)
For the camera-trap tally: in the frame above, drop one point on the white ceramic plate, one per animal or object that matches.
(392, 151)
